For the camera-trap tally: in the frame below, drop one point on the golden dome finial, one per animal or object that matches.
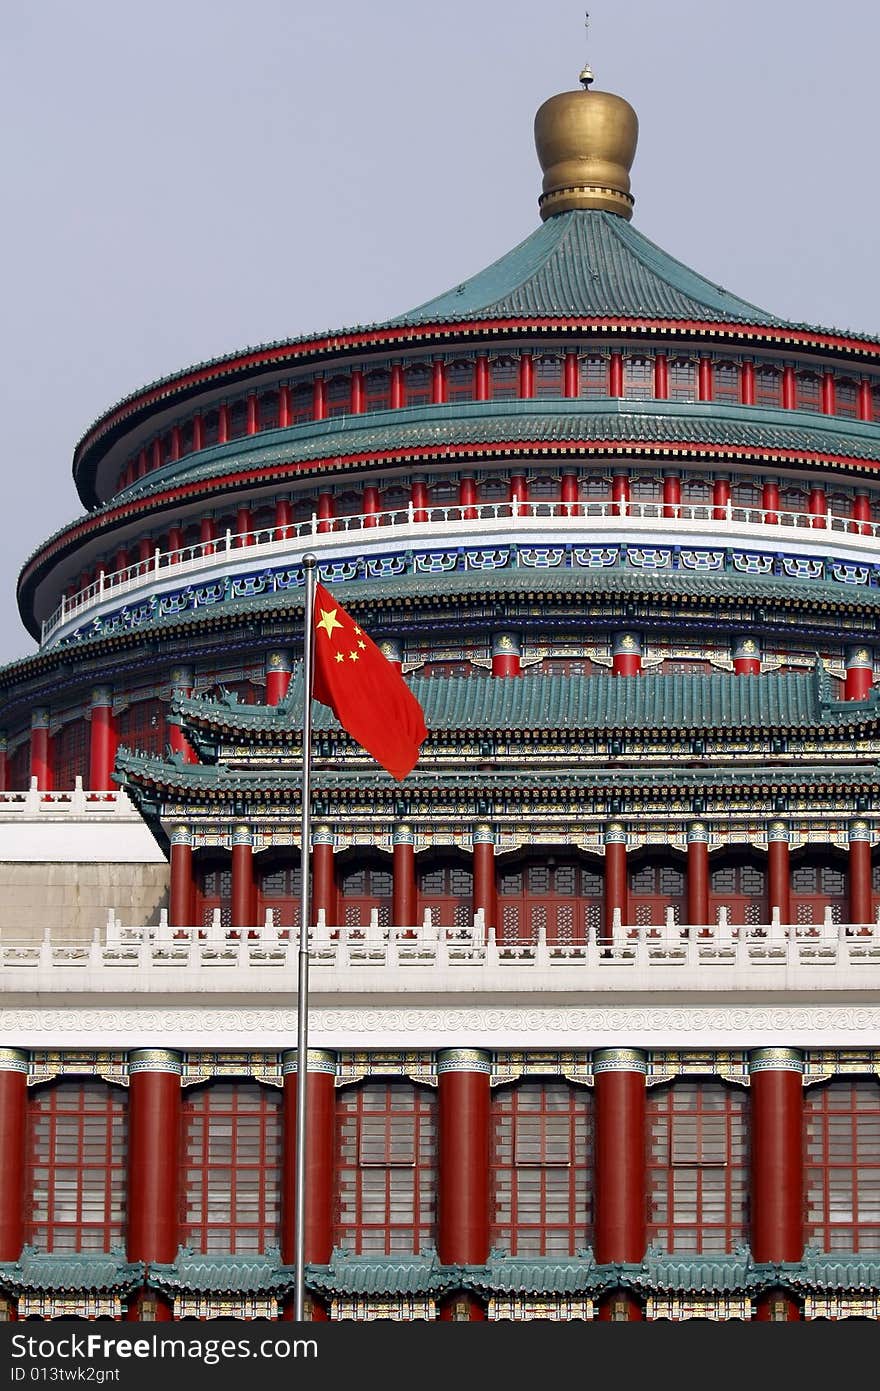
(586, 144)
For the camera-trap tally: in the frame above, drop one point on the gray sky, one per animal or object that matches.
(187, 177)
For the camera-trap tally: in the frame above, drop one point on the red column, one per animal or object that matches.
(419, 498)
(279, 667)
(326, 511)
(243, 907)
(747, 383)
(484, 875)
(859, 673)
(438, 382)
(244, 523)
(770, 503)
(222, 423)
(283, 519)
(698, 874)
(615, 876)
(463, 1143)
(746, 654)
(705, 383)
(861, 515)
(506, 654)
(467, 497)
(570, 376)
(396, 394)
(865, 405)
(323, 875)
(371, 505)
(319, 399)
(789, 391)
(357, 392)
(252, 424)
(861, 905)
(481, 378)
(671, 495)
(620, 492)
(198, 433)
(102, 742)
(156, 454)
(817, 506)
(153, 1166)
(13, 1120)
(615, 375)
(777, 1165)
(404, 903)
(518, 488)
(180, 897)
(181, 685)
(41, 750)
(4, 762)
(661, 377)
(569, 494)
(829, 395)
(174, 448)
(526, 376)
(283, 406)
(142, 466)
(620, 1203)
(778, 870)
(320, 1125)
(720, 498)
(626, 654)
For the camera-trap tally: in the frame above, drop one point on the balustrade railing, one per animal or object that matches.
(565, 516)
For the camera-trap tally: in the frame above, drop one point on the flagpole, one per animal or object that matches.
(302, 993)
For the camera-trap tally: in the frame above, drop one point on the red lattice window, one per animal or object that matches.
(70, 754)
(142, 726)
(541, 1169)
(268, 410)
(594, 376)
(697, 1166)
(504, 378)
(547, 375)
(740, 886)
(339, 396)
(725, 381)
(818, 883)
(214, 890)
(638, 378)
(417, 385)
(768, 386)
(446, 889)
(280, 888)
(237, 419)
(301, 403)
(231, 1191)
(846, 398)
(363, 888)
(75, 1174)
(377, 391)
(682, 379)
(563, 897)
(655, 886)
(809, 391)
(460, 380)
(842, 1165)
(386, 1168)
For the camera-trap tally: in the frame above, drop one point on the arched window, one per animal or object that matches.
(725, 382)
(682, 379)
(70, 754)
(386, 1168)
(638, 378)
(214, 889)
(377, 390)
(768, 386)
(504, 378)
(697, 1166)
(547, 375)
(655, 885)
(446, 890)
(279, 887)
(842, 1165)
(818, 882)
(738, 882)
(541, 1169)
(231, 1189)
(339, 395)
(459, 380)
(846, 398)
(364, 887)
(417, 385)
(809, 390)
(75, 1171)
(594, 375)
(560, 895)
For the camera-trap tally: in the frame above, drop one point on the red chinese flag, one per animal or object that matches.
(365, 691)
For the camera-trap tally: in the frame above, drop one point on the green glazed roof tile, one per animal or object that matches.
(537, 1275)
(378, 1275)
(99, 1272)
(218, 1274)
(722, 1274)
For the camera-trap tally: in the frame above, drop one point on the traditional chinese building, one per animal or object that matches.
(595, 1026)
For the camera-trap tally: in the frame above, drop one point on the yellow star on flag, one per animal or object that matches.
(329, 621)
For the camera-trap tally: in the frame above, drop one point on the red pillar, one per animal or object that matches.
(279, 668)
(323, 875)
(174, 451)
(252, 424)
(4, 762)
(570, 376)
(467, 497)
(13, 1120)
(615, 876)
(569, 494)
(463, 1168)
(626, 654)
(404, 904)
(506, 654)
(198, 434)
(283, 519)
(698, 874)
(102, 742)
(620, 1204)
(770, 503)
(789, 390)
(243, 907)
(419, 499)
(180, 897)
(222, 423)
(829, 395)
(181, 685)
(320, 1124)
(41, 750)
(778, 870)
(484, 875)
(518, 488)
(153, 1166)
(720, 498)
(481, 378)
(865, 405)
(620, 492)
(661, 377)
(817, 506)
(319, 399)
(671, 495)
(326, 511)
(397, 397)
(861, 905)
(747, 383)
(859, 673)
(156, 454)
(705, 383)
(438, 382)
(244, 526)
(372, 506)
(283, 406)
(526, 376)
(615, 375)
(746, 654)
(861, 515)
(777, 1165)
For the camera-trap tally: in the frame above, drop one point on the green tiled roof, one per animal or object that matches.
(584, 264)
(250, 1274)
(388, 1275)
(720, 701)
(844, 1271)
(99, 1272)
(537, 1275)
(722, 1274)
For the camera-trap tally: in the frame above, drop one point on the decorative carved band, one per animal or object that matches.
(317, 1060)
(776, 1060)
(403, 835)
(155, 1060)
(181, 835)
(322, 835)
(464, 1060)
(483, 835)
(777, 831)
(697, 833)
(859, 830)
(242, 835)
(620, 1060)
(13, 1060)
(615, 834)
